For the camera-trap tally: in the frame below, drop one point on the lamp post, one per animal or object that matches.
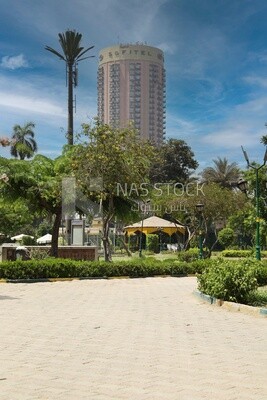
(199, 209)
(242, 185)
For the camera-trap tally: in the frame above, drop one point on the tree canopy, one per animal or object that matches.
(39, 183)
(174, 162)
(120, 161)
(224, 173)
(73, 52)
(23, 144)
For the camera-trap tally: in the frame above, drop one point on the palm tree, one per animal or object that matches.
(70, 42)
(23, 144)
(264, 139)
(223, 173)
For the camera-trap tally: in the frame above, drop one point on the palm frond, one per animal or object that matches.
(55, 52)
(83, 52)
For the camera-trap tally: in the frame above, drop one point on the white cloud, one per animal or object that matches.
(178, 126)
(14, 62)
(30, 104)
(230, 137)
(242, 125)
(256, 80)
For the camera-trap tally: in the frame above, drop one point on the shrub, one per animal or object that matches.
(153, 243)
(228, 281)
(226, 237)
(28, 241)
(188, 255)
(260, 268)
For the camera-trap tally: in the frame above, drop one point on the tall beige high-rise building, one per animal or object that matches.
(131, 88)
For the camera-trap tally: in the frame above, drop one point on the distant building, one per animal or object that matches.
(131, 88)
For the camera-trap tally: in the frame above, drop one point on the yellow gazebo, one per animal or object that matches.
(153, 225)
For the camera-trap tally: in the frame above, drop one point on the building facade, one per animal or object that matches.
(131, 89)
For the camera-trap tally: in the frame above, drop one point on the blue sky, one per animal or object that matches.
(215, 60)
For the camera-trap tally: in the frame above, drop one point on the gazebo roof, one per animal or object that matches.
(154, 224)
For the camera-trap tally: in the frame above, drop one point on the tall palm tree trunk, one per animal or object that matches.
(70, 129)
(70, 103)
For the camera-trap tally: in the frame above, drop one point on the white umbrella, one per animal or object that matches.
(20, 237)
(45, 239)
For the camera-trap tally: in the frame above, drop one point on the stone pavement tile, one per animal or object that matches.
(144, 339)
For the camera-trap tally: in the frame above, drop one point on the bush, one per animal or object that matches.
(189, 255)
(260, 268)
(229, 281)
(226, 237)
(28, 241)
(153, 243)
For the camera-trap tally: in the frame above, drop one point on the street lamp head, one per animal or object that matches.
(242, 185)
(199, 207)
(245, 156)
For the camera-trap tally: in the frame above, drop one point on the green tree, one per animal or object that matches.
(219, 204)
(174, 162)
(120, 161)
(39, 182)
(70, 42)
(15, 217)
(23, 144)
(243, 224)
(224, 173)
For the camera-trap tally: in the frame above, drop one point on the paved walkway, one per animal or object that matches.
(135, 339)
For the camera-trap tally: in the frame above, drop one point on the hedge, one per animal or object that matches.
(241, 253)
(64, 268)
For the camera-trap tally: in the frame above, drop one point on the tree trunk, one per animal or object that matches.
(106, 244)
(70, 104)
(106, 221)
(125, 247)
(55, 233)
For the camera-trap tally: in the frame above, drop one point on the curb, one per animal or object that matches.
(40, 280)
(2, 280)
(228, 305)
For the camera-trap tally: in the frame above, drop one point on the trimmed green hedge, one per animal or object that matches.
(241, 253)
(237, 253)
(64, 268)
